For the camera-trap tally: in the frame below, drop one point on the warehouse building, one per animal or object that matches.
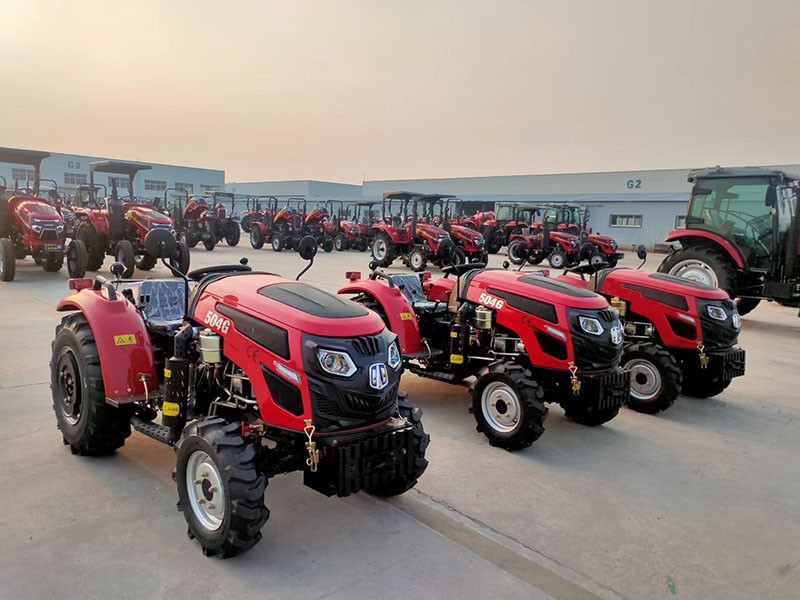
(68, 171)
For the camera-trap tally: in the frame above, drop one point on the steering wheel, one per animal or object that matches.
(198, 274)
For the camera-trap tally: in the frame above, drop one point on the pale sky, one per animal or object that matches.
(337, 89)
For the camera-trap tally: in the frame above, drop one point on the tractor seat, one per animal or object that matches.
(411, 287)
(161, 302)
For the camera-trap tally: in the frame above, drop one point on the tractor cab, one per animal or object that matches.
(742, 234)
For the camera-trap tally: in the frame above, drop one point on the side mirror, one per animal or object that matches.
(117, 269)
(506, 264)
(641, 252)
(307, 248)
(373, 264)
(771, 196)
(160, 243)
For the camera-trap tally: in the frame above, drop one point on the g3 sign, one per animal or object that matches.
(634, 184)
(74, 164)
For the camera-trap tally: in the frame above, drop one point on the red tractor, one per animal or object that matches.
(194, 221)
(404, 234)
(574, 219)
(256, 212)
(680, 335)
(470, 245)
(527, 340)
(288, 225)
(223, 224)
(253, 375)
(319, 225)
(510, 218)
(742, 235)
(539, 242)
(118, 226)
(476, 221)
(348, 233)
(260, 222)
(31, 226)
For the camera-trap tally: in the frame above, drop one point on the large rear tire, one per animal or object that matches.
(89, 425)
(124, 254)
(77, 259)
(94, 245)
(246, 224)
(233, 234)
(747, 305)
(383, 250)
(702, 264)
(507, 405)
(220, 491)
(656, 378)
(256, 237)
(399, 484)
(493, 244)
(182, 257)
(8, 260)
(517, 251)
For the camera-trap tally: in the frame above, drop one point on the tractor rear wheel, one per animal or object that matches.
(507, 405)
(383, 250)
(457, 257)
(517, 251)
(89, 425)
(220, 490)
(124, 254)
(256, 237)
(394, 485)
(8, 260)
(77, 259)
(53, 261)
(246, 224)
(145, 262)
(702, 264)
(233, 234)
(656, 378)
(94, 245)
(180, 260)
(493, 244)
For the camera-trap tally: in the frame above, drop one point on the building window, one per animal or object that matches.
(625, 221)
(23, 175)
(122, 183)
(680, 222)
(152, 185)
(189, 187)
(209, 188)
(75, 178)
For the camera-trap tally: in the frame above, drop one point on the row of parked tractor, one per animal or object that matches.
(421, 229)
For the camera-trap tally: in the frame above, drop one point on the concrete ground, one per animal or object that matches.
(698, 502)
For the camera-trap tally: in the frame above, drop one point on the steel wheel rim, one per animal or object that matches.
(379, 249)
(416, 260)
(556, 260)
(501, 407)
(206, 493)
(645, 379)
(512, 252)
(69, 386)
(695, 270)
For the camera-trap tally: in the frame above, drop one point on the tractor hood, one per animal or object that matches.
(34, 211)
(147, 216)
(603, 240)
(296, 305)
(617, 281)
(522, 286)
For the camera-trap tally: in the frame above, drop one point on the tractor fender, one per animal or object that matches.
(686, 237)
(97, 220)
(123, 343)
(398, 310)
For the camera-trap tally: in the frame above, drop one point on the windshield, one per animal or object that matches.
(505, 213)
(735, 209)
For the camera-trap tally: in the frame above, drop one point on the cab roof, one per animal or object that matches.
(117, 166)
(720, 172)
(18, 156)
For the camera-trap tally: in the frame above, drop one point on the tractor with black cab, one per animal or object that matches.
(522, 340)
(32, 226)
(248, 375)
(742, 234)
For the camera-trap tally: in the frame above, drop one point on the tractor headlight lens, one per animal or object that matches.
(717, 313)
(573, 243)
(590, 325)
(36, 228)
(60, 228)
(613, 244)
(336, 363)
(394, 356)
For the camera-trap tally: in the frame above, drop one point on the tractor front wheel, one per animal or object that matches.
(180, 260)
(77, 259)
(557, 259)
(145, 262)
(340, 242)
(508, 406)
(278, 242)
(701, 264)
(392, 485)
(246, 224)
(94, 245)
(256, 237)
(220, 490)
(233, 234)
(8, 260)
(383, 250)
(517, 251)
(417, 260)
(655, 378)
(53, 261)
(125, 254)
(746, 305)
(89, 425)
(327, 244)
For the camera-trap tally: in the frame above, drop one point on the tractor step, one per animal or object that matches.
(161, 433)
(437, 375)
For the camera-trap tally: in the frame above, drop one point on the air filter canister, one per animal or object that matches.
(210, 347)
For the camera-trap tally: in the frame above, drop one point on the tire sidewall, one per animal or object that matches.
(478, 405)
(65, 341)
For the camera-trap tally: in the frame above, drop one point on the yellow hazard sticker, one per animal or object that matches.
(405, 316)
(453, 334)
(125, 340)
(167, 373)
(456, 359)
(170, 409)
